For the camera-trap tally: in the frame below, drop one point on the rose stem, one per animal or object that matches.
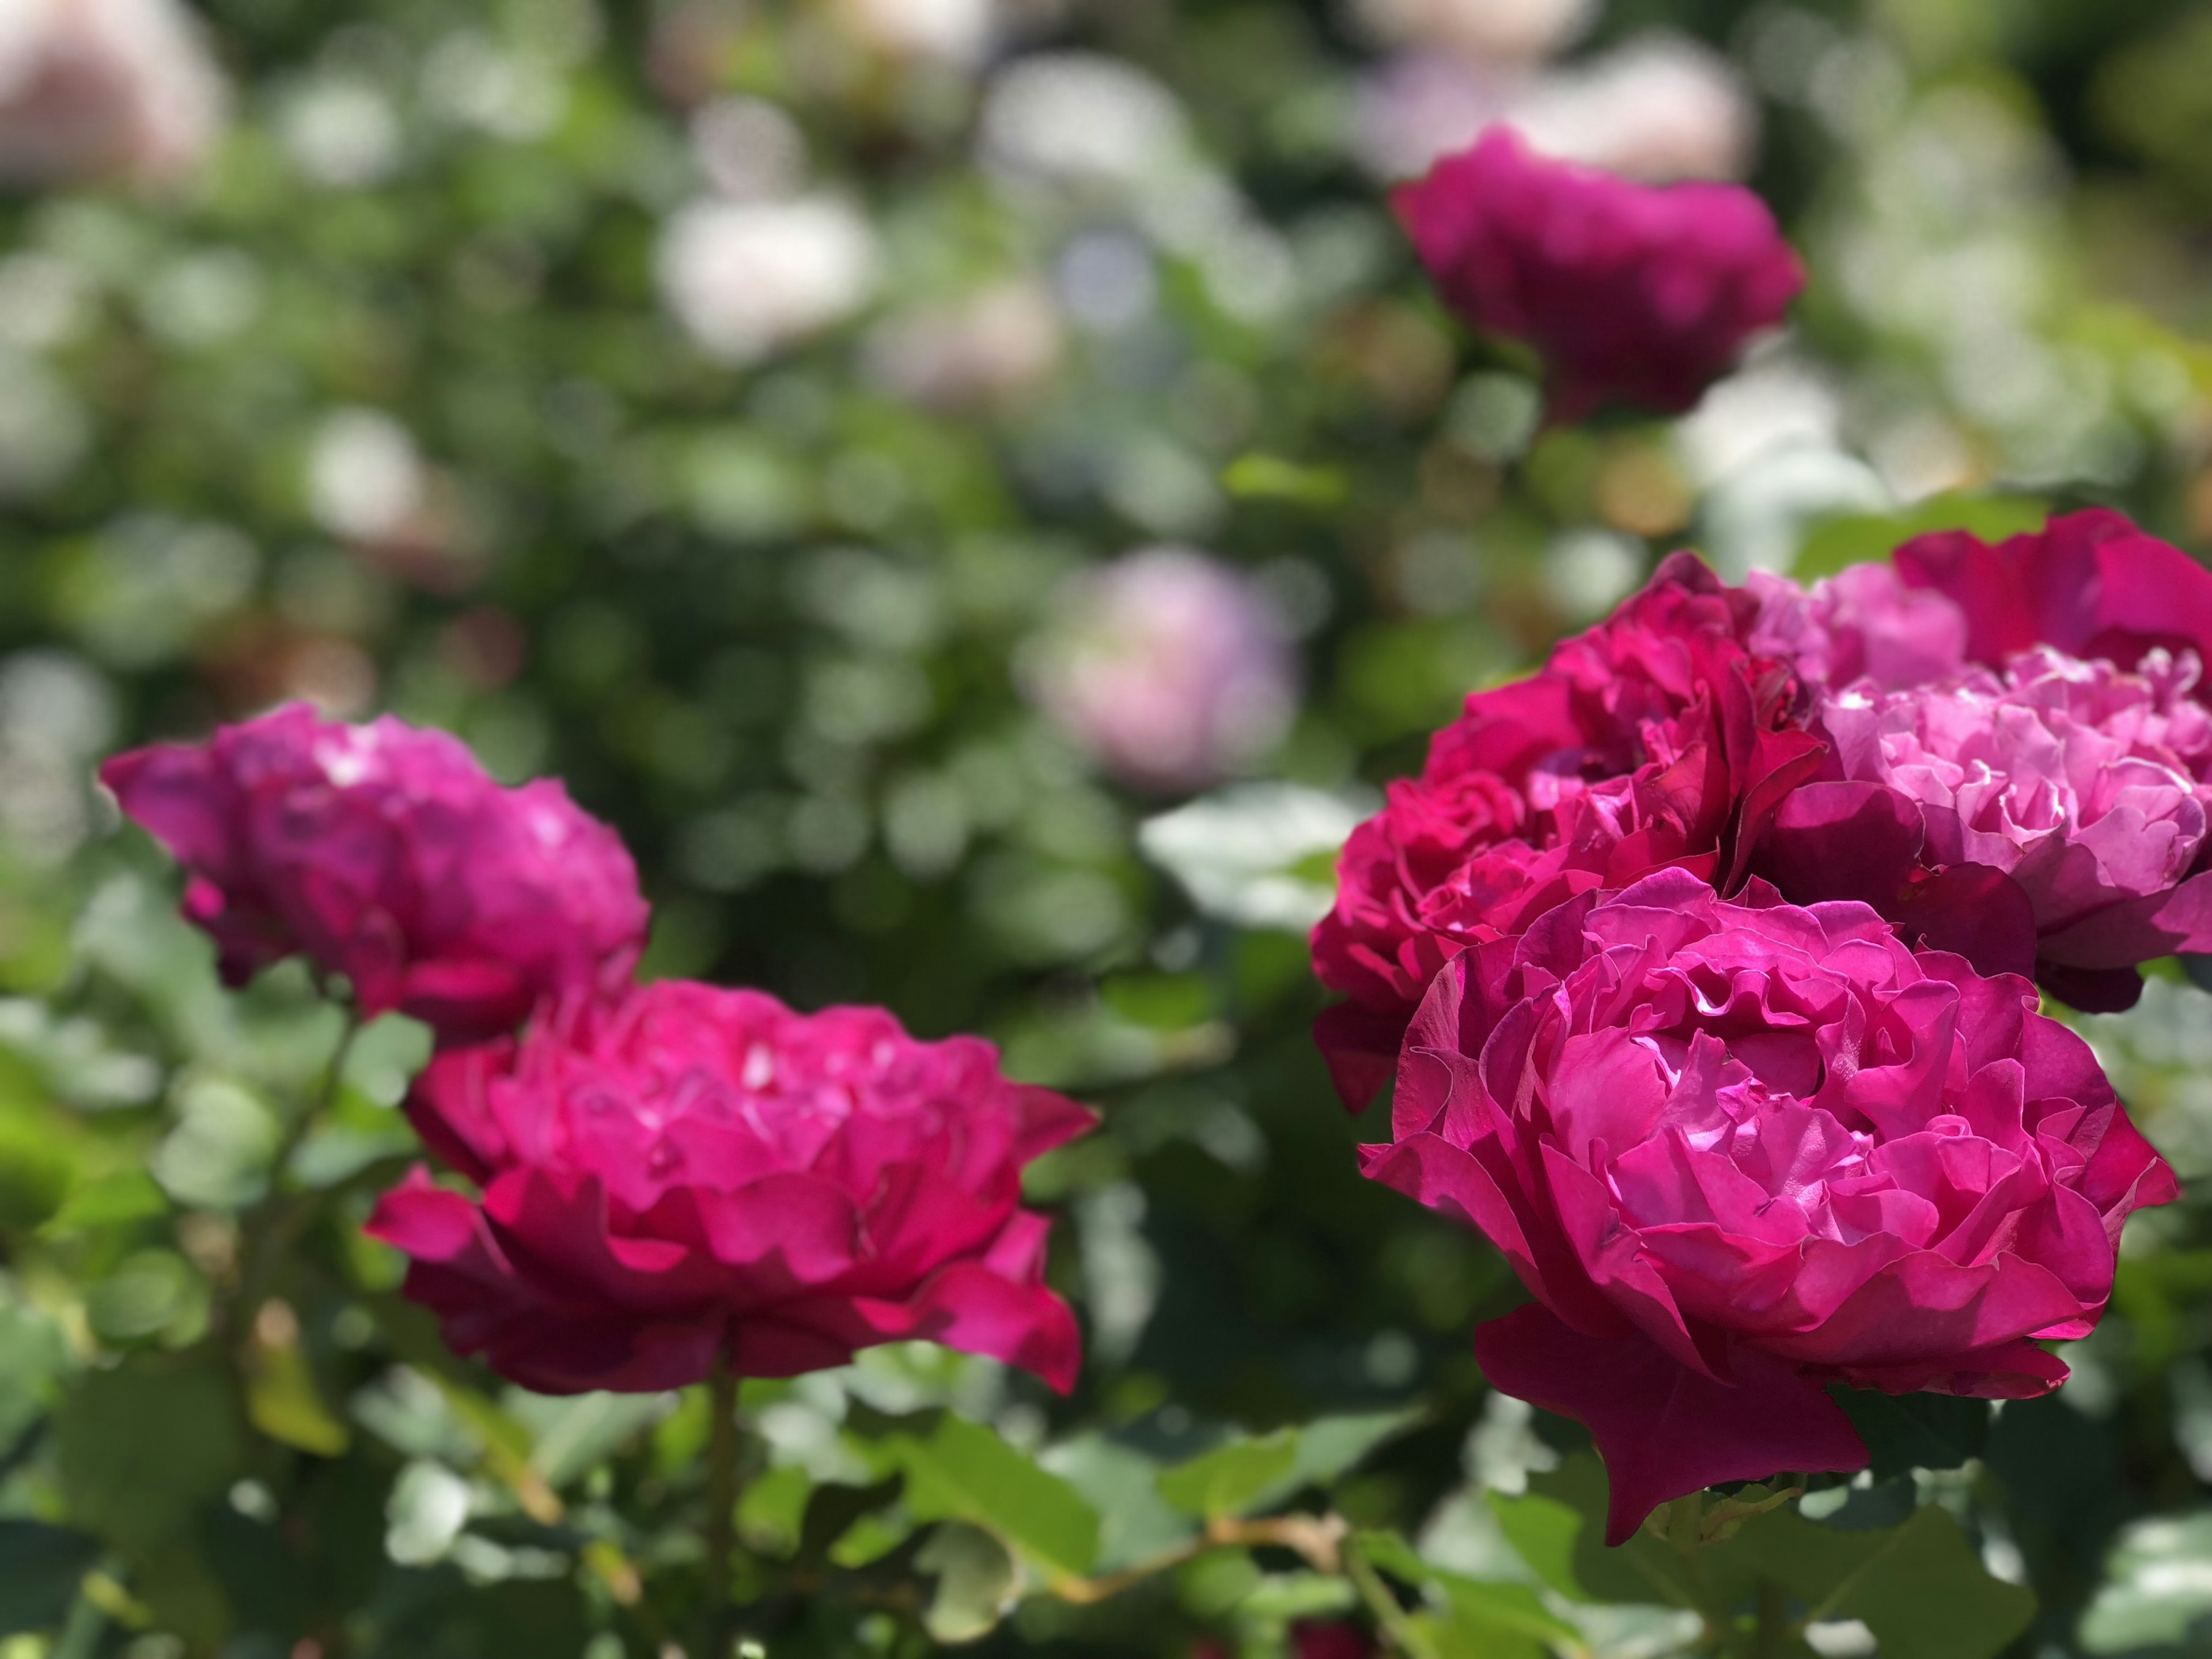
(721, 1501)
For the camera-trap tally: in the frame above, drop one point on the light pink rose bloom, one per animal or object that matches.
(2086, 785)
(387, 854)
(98, 88)
(1171, 667)
(1861, 623)
(702, 1176)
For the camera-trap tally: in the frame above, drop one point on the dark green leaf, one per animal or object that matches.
(144, 1445)
(1916, 1431)
(39, 1567)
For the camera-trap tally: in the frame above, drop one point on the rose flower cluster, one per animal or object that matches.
(668, 1179)
(1705, 959)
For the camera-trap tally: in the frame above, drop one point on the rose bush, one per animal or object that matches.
(702, 1176)
(1740, 1151)
(2034, 708)
(1654, 739)
(1632, 294)
(385, 854)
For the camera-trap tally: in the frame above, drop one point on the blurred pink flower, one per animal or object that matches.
(1738, 1151)
(1173, 668)
(702, 1176)
(1315, 1638)
(384, 853)
(100, 89)
(1631, 295)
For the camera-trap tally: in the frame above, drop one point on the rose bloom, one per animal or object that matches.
(1632, 293)
(703, 1176)
(1315, 1638)
(1653, 739)
(99, 88)
(1171, 667)
(2035, 707)
(1737, 1152)
(385, 854)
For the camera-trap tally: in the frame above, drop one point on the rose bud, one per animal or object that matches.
(1740, 1152)
(385, 854)
(702, 1177)
(1632, 293)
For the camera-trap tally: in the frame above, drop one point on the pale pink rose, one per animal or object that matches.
(1169, 667)
(104, 88)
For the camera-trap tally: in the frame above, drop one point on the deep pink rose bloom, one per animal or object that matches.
(1739, 1151)
(702, 1173)
(1653, 739)
(2053, 728)
(385, 854)
(1632, 293)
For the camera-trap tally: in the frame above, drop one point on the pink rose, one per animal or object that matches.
(1740, 1151)
(1653, 739)
(1632, 293)
(2035, 708)
(703, 1175)
(1171, 667)
(384, 853)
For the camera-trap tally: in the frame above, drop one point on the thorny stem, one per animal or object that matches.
(721, 1532)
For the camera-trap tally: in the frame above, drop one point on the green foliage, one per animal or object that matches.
(961, 1472)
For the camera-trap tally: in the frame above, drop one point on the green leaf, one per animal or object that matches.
(1473, 1611)
(572, 1435)
(1122, 1484)
(772, 1512)
(1227, 1480)
(1916, 1431)
(1331, 1446)
(1262, 478)
(1920, 1587)
(39, 1567)
(283, 1401)
(965, 1473)
(977, 1581)
(1558, 1528)
(32, 1353)
(143, 1446)
(2156, 1587)
(1865, 538)
(110, 1200)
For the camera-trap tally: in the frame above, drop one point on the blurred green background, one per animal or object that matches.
(718, 404)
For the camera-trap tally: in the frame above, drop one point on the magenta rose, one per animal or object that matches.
(1740, 1151)
(1632, 294)
(2036, 708)
(385, 854)
(1654, 739)
(703, 1176)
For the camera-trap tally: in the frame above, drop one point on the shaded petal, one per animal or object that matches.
(1664, 1430)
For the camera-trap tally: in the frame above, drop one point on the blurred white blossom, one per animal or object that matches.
(1080, 118)
(365, 476)
(1659, 107)
(92, 88)
(1490, 31)
(960, 32)
(340, 131)
(744, 278)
